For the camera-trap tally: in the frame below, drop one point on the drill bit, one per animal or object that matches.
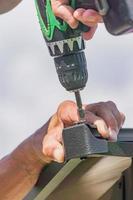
(81, 111)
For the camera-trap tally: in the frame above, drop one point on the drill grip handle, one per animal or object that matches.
(50, 23)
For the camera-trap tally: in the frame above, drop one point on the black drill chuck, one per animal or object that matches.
(72, 71)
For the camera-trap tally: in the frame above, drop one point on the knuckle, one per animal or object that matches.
(101, 103)
(66, 104)
(48, 149)
(111, 103)
(95, 107)
(101, 106)
(56, 7)
(79, 13)
(57, 12)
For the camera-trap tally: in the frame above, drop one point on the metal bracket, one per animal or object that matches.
(80, 142)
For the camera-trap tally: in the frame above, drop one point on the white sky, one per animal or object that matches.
(29, 88)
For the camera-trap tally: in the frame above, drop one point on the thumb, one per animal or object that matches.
(53, 149)
(52, 144)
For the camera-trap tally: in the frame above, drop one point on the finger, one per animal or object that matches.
(56, 133)
(92, 16)
(101, 110)
(111, 123)
(88, 17)
(67, 112)
(89, 35)
(100, 124)
(52, 148)
(58, 153)
(64, 11)
(122, 118)
(118, 116)
(52, 143)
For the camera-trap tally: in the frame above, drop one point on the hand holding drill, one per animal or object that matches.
(88, 17)
(105, 116)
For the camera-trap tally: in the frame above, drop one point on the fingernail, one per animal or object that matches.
(113, 135)
(57, 154)
(106, 130)
(121, 125)
(102, 128)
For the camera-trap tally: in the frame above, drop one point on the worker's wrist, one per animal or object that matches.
(28, 155)
(25, 160)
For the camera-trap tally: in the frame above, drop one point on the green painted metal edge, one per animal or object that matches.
(60, 176)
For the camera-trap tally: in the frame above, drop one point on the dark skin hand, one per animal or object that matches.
(61, 9)
(104, 116)
(20, 170)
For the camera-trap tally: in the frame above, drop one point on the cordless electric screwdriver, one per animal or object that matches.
(66, 45)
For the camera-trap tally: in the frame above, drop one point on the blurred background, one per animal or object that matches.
(29, 88)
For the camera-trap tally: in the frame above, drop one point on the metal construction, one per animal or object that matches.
(55, 173)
